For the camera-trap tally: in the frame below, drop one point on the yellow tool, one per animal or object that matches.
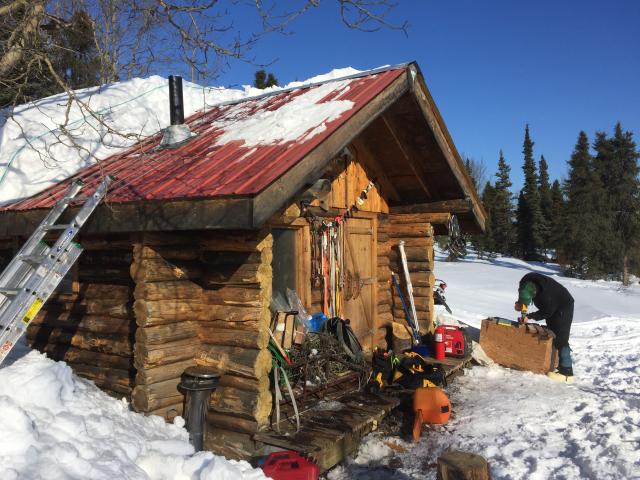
(523, 313)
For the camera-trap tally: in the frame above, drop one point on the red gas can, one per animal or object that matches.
(289, 465)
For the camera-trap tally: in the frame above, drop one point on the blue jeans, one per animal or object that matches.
(565, 357)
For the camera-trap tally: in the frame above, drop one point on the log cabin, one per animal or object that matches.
(194, 239)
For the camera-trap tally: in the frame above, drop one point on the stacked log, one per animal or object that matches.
(168, 306)
(418, 245)
(385, 285)
(8, 247)
(233, 332)
(92, 327)
(203, 297)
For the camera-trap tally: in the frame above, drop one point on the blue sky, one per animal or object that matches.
(491, 66)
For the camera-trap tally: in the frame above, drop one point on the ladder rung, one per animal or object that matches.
(49, 265)
(61, 226)
(9, 292)
(31, 259)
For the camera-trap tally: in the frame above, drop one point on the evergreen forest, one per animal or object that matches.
(589, 222)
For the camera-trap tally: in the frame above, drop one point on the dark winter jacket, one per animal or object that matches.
(549, 298)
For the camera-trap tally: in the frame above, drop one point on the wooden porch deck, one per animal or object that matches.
(333, 428)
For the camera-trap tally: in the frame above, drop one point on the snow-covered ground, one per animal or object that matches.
(55, 425)
(528, 426)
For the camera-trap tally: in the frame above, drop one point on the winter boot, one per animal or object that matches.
(562, 374)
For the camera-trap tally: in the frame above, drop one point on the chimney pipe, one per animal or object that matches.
(176, 133)
(176, 104)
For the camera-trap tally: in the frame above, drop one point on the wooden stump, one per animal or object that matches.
(401, 338)
(456, 465)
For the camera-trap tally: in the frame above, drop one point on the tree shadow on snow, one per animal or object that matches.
(532, 266)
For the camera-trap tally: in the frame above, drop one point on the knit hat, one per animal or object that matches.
(526, 293)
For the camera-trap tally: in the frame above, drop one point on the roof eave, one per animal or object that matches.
(448, 148)
(148, 216)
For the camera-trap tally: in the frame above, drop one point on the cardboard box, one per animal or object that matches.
(524, 347)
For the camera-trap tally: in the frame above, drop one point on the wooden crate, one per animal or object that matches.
(525, 347)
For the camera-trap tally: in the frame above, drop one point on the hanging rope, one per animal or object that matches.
(327, 252)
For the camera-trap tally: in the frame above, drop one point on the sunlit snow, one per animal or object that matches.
(36, 152)
(528, 426)
(55, 425)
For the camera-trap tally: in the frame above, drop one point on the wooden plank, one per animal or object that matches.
(360, 260)
(442, 218)
(147, 216)
(380, 174)
(375, 323)
(303, 265)
(526, 347)
(330, 436)
(412, 162)
(456, 207)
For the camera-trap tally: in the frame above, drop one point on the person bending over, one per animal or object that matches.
(555, 305)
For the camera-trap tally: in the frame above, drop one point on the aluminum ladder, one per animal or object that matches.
(37, 270)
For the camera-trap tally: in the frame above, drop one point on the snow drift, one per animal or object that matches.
(55, 425)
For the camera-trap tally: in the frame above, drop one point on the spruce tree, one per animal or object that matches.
(557, 225)
(263, 80)
(70, 47)
(486, 243)
(603, 162)
(624, 198)
(529, 215)
(75, 55)
(521, 213)
(606, 171)
(544, 189)
(586, 214)
(502, 210)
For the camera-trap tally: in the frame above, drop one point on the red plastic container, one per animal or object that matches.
(438, 343)
(289, 465)
(455, 344)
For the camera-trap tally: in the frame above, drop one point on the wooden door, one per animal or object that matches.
(360, 282)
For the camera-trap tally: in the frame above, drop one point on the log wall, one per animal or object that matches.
(418, 237)
(385, 285)
(237, 279)
(93, 328)
(203, 297)
(167, 308)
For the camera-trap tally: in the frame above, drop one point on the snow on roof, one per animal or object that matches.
(302, 118)
(36, 152)
(240, 147)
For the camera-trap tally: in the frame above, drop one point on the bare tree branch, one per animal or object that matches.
(57, 46)
(23, 36)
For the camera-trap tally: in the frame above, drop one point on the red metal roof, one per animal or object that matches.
(200, 168)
